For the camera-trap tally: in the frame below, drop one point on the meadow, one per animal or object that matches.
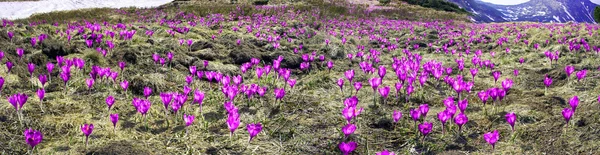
(302, 78)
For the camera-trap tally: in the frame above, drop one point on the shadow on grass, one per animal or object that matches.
(213, 116)
(119, 147)
(62, 148)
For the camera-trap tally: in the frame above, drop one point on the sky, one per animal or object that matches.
(513, 2)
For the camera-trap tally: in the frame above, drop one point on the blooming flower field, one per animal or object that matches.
(285, 79)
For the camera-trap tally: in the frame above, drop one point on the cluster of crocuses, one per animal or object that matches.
(17, 101)
(233, 117)
(418, 114)
(142, 106)
(103, 74)
(570, 111)
(350, 112)
(159, 60)
(552, 56)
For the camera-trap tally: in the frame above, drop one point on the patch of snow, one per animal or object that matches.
(490, 17)
(540, 13)
(556, 18)
(567, 11)
(475, 12)
(24, 9)
(472, 19)
(588, 13)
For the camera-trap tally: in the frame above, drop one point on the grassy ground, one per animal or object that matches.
(308, 120)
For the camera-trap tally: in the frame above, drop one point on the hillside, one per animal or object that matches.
(310, 77)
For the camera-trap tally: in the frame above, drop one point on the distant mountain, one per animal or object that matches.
(535, 10)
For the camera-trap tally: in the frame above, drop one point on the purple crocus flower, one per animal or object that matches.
(567, 114)
(381, 71)
(89, 82)
(424, 108)
(329, 65)
(170, 56)
(492, 138)
(511, 118)
(396, 116)
(110, 100)
(20, 52)
(496, 75)
(89, 43)
(87, 130)
(460, 120)
(462, 105)
(521, 60)
(473, 72)
(233, 121)
(443, 116)
(253, 130)
(415, 114)
(10, 35)
(9, 66)
(347, 148)
(385, 152)
(348, 129)
(349, 112)
(18, 100)
(49, 67)
(41, 94)
(569, 70)
(384, 91)
(349, 75)
(124, 85)
(198, 98)
(581, 74)
(192, 69)
(547, 81)
(32, 137)
(122, 65)
(340, 83)
(574, 102)
(33, 41)
(357, 86)
(425, 128)
(279, 93)
(42, 78)
(190, 78)
(147, 92)
(291, 82)
(31, 69)
(114, 118)
(189, 120)
(507, 84)
(375, 82)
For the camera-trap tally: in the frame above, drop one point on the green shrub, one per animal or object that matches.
(261, 2)
(597, 14)
(441, 5)
(384, 2)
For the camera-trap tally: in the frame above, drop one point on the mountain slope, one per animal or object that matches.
(534, 10)
(19, 10)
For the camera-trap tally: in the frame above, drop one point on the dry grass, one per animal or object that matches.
(309, 120)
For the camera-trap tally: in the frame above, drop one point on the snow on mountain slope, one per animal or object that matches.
(16, 10)
(533, 10)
